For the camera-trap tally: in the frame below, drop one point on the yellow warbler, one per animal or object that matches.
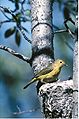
(48, 74)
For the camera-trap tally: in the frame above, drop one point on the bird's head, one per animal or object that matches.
(59, 63)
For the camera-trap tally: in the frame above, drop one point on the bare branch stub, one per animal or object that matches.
(18, 55)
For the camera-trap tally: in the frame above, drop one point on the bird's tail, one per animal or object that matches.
(32, 81)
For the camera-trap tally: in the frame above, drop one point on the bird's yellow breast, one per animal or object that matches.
(50, 77)
(53, 73)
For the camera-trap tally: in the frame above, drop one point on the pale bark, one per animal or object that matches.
(42, 34)
(56, 98)
(75, 72)
(75, 81)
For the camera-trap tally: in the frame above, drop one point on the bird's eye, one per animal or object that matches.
(60, 62)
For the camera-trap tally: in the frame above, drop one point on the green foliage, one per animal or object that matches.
(18, 16)
(69, 7)
(12, 31)
(66, 13)
(9, 32)
(28, 12)
(17, 37)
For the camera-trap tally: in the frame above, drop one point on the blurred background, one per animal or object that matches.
(15, 73)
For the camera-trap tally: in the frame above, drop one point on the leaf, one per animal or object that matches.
(17, 18)
(9, 32)
(17, 38)
(66, 12)
(6, 10)
(28, 12)
(18, 14)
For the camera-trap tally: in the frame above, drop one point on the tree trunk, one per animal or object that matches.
(75, 72)
(75, 82)
(42, 34)
(56, 98)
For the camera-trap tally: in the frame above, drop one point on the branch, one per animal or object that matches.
(60, 31)
(22, 31)
(25, 111)
(20, 56)
(3, 10)
(63, 30)
(5, 21)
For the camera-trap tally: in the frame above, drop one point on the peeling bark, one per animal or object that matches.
(57, 99)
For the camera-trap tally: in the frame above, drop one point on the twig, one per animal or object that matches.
(20, 56)
(22, 31)
(4, 13)
(63, 30)
(5, 21)
(60, 31)
(18, 24)
(26, 111)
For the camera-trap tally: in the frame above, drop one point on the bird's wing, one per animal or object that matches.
(44, 71)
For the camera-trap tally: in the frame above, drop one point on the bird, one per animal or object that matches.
(48, 74)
